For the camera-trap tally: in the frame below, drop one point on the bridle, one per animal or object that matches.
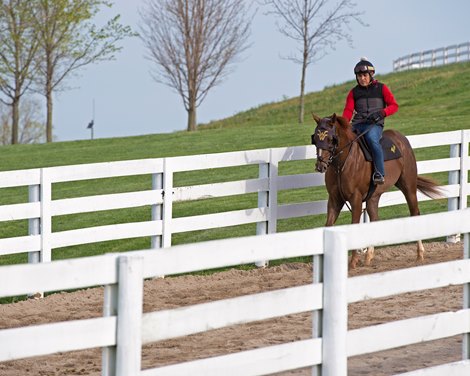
(333, 149)
(333, 146)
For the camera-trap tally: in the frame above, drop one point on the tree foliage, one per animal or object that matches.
(69, 40)
(31, 128)
(193, 44)
(18, 48)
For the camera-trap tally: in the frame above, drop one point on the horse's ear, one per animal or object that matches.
(333, 118)
(316, 118)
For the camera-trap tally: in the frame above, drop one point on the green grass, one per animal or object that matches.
(431, 100)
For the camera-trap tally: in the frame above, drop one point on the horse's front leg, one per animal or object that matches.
(356, 211)
(334, 207)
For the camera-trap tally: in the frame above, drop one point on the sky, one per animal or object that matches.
(123, 99)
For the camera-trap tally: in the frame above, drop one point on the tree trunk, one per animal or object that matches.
(302, 92)
(49, 115)
(192, 119)
(191, 112)
(15, 120)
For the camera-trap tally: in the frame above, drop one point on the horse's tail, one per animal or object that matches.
(429, 188)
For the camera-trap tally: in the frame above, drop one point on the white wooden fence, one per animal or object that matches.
(117, 332)
(439, 56)
(40, 209)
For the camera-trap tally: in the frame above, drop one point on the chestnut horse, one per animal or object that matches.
(348, 175)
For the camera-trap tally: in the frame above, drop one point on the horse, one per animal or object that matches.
(348, 175)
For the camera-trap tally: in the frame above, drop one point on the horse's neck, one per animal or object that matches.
(346, 137)
(348, 148)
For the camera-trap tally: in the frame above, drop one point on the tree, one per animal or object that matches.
(17, 52)
(316, 27)
(69, 41)
(30, 127)
(193, 44)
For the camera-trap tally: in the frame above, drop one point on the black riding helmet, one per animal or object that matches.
(364, 66)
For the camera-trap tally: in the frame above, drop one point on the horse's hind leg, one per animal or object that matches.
(420, 251)
(356, 206)
(373, 212)
(412, 201)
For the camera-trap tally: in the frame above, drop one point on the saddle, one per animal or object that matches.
(390, 150)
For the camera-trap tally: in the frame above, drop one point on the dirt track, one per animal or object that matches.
(174, 292)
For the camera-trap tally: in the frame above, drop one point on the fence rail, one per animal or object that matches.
(41, 208)
(439, 56)
(123, 275)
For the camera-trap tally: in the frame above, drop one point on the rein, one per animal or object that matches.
(335, 154)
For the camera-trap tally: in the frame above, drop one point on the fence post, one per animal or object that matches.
(263, 202)
(34, 228)
(272, 194)
(129, 318)
(110, 308)
(46, 219)
(317, 320)
(157, 184)
(466, 298)
(464, 167)
(167, 203)
(454, 178)
(335, 306)
(34, 225)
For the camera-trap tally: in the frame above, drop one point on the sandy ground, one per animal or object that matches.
(186, 290)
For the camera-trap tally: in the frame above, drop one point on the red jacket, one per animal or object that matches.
(389, 106)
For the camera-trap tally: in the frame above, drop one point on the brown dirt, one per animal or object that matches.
(187, 290)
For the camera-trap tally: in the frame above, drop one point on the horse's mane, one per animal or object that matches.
(345, 126)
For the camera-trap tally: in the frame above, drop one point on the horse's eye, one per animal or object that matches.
(335, 140)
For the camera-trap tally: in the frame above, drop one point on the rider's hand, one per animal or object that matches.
(376, 117)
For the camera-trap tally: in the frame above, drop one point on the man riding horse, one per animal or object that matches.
(367, 104)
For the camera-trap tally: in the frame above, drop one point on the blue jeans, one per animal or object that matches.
(373, 141)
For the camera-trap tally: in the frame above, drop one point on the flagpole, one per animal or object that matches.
(93, 120)
(91, 124)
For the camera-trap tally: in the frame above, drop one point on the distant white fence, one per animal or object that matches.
(42, 208)
(440, 56)
(117, 332)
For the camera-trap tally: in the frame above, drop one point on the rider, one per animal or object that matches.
(370, 102)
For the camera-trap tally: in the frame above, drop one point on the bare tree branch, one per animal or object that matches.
(194, 44)
(316, 27)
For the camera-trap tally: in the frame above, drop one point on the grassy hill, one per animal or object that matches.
(431, 100)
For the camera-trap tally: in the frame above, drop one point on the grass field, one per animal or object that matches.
(431, 100)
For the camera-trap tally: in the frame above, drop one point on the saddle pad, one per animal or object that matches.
(390, 150)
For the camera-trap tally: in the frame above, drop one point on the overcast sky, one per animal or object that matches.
(128, 102)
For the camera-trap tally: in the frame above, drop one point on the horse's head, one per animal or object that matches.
(325, 140)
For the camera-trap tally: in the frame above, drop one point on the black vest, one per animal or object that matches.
(367, 100)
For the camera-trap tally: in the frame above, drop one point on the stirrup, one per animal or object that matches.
(378, 178)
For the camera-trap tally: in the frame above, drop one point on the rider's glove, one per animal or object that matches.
(376, 117)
